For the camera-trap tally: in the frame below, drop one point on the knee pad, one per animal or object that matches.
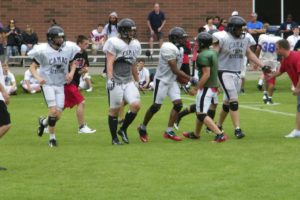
(234, 105)
(193, 108)
(52, 121)
(154, 108)
(177, 107)
(201, 116)
(226, 108)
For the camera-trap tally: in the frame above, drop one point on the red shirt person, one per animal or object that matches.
(291, 65)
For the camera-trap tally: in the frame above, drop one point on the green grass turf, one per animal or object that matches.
(263, 165)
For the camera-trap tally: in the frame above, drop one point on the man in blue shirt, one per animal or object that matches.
(255, 28)
(156, 21)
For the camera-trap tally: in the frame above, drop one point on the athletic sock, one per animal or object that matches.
(183, 113)
(52, 136)
(260, 82)
(45, 121)
(169, 129)
(129, 117)
(113, 126)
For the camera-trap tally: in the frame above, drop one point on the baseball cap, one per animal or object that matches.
(235, 13)
(113, 14)
(254, 14)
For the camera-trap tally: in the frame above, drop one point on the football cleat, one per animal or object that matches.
(143, 134)
(220, 138)
(52, 143)
(239, 133)
(265, 98)
(41, 127)
(292, 134)
(124, 136)
(270, 101)
(171, 135)
(115, 141)
(191, 135)
(86, 130)
(3, 168)
(259, 87)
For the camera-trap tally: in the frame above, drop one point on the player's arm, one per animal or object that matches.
(162, 25)
(110, 61)
(204, 77)
(27, 83)
(33, 69)
(70, 75)
(4, 94)
(296, 91)
(147, 81)
(135, 73)
(175, 70)
(252, 57)
(149, 26)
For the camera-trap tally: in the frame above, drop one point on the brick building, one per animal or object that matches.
(80, 16)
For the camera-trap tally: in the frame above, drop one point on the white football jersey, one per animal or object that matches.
(113, 33)
(267, 42)
(1, 81)
(292, 39)
(168, 51)
(29, 77)
(126, 55)
(232, 50)
(96, 36)
(54, 64)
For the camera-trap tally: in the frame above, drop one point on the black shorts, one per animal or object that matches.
(4, 114)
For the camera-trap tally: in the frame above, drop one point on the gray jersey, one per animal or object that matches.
(53, 63)
(168, 51)
(232, 50)
(126, 55)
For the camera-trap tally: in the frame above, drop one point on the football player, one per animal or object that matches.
(72, 94)
(53, 58)
(121, 53)
(233, 44)
(170, 60)
(267, 54)
(207, 88)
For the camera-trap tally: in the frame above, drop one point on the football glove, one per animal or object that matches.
(193, 81)
(266, 69)
(110, 84)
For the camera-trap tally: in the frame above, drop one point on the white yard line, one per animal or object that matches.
(256, 108)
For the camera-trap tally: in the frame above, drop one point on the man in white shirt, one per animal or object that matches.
(144, 75)
(293, 39)
(10, 84)
(30, 84)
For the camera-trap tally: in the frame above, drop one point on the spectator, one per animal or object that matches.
(216, 21)
(235, 13)
(10, 81)
(156, 21)
(209, 24)
(195, 51)
(2, 44)
(29, 39)
(14, 39)
(86, 82)
(111, 29)
(97, 38)
(286, 27)
(144, 75)
(293, 39)
(30, 84)
(186, 61)
(223, 24)
(255, 28)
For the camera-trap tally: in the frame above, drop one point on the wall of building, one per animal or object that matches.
(81, 16)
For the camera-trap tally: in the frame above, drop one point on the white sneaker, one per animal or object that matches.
(86, 130)
(90, 89)
(293, 134)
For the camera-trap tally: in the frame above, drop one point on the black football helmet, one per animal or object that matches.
(53, 32)
(235, 26)
(177, 36)
(125, 26)
(204, 40)
(272, 30)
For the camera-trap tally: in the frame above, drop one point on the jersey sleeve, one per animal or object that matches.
(251, 40)
(109, 47)
(35, 54)
(203, 61)
(218, 37)
(168, 53)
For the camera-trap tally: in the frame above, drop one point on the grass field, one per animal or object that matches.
(263, 165)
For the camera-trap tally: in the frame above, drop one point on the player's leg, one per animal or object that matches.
(160, 38)
(5, 122)
(270, 85)
(296, 132)
(115, 99)
(159, 94)
(94, 51)
(212, 110)
(260, 82)
(186, 111)
(225, 107)
(132, 96)
(151, 39)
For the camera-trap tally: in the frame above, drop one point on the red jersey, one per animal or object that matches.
(187, 51)
(291, 65)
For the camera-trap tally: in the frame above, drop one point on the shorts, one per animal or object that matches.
(54, 96)
(5, 116)
(230, 83)
(72, 96)
(205, 98)
(157, 35)
(34, 86)
(123, 92)
(161, 90)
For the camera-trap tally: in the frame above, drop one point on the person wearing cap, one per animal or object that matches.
(286, 27)
(156, 21)
(110, 29)
(235, 13)
(255, 27)
(293, 39)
